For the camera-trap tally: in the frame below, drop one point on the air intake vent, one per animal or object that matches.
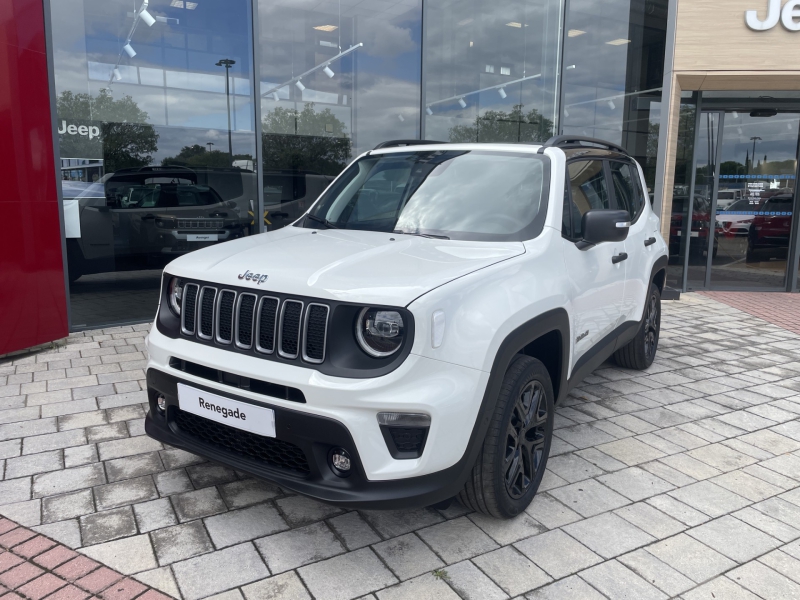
(267, 318)
(189, 307)
(315, 333)
(290, 328)
(274, 452)
(244, 320)
(206, 316)
(227, 299)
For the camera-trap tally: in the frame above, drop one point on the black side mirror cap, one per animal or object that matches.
(602, 225)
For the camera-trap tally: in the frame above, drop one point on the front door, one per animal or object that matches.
(744, 199)
(597, 276)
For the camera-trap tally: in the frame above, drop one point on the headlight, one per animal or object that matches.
(175, 295)
(380, 332)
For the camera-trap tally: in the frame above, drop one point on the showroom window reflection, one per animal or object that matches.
(335, 80)
(156, 130)
(613, 74)
(490, 70)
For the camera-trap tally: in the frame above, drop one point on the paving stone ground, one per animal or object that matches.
(682, 481)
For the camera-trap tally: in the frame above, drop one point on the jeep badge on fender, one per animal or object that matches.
(419, 325)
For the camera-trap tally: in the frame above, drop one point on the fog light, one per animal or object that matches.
(340, 459)
(162, 403)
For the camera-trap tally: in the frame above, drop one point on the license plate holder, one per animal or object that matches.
(226, 411)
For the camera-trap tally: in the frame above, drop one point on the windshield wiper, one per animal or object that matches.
(425, 235)
(325, 222)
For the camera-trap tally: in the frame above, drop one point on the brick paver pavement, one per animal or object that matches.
(682, 481)
(34, 567)
(779, 309)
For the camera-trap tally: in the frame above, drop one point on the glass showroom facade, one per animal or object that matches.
(183, 124)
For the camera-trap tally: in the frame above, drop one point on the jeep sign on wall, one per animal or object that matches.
(788, 15)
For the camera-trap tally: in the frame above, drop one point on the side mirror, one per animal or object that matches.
(601, 225)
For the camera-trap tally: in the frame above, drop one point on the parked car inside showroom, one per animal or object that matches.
(407, 339)
(141, 218)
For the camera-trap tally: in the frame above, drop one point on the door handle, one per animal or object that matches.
(649, 242)
(619, 257)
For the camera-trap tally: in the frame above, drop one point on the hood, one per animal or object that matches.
(345, 265)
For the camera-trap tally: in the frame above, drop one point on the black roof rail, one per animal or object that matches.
(398, 143)
(579, 140)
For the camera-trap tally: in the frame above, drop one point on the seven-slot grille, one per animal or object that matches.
(249, 321)
(200, 224)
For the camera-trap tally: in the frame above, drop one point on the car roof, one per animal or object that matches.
(525, 148)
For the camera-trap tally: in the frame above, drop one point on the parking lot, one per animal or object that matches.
(683, 481)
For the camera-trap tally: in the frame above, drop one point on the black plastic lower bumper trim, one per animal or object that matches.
(316, 436)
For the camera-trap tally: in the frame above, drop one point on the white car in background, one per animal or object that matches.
(407, 339)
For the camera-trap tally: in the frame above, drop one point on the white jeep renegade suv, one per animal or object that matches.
(406, 340)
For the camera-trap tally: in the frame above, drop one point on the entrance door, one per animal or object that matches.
(744, 199)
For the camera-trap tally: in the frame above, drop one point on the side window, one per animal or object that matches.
(588, 190)
(627, 187)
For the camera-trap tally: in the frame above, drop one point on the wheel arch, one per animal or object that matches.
(545, 338)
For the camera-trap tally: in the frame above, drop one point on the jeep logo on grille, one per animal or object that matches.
(255, 277)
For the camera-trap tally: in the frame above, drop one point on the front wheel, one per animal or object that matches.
(513, 458)
(640, 352)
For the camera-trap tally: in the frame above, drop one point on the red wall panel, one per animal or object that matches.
(33, 303)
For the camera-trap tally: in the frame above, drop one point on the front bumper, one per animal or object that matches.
(314, 437)
(338, 412)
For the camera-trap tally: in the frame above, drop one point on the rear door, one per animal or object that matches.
(596, 275)
(640, 244)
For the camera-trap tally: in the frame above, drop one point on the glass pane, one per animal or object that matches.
(626, 187)
(157, 142)
(490, 70)
(458, 195)
(336, 79)
(613, 73)
(699, 226)
(755, 199)
(680, 191)
(589, 191)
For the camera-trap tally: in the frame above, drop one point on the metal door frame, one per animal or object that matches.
(793, 252)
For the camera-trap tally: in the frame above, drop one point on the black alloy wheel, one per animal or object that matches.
(652, 324)
(512, 460)
(640, 352)
(525, 440)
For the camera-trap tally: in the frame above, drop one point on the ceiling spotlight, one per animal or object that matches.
(275, 96)
(299, 85)
(461, 103)
(129, 50)
(117, 74)
(401, 117)
(618, 42)
(570, 67)
(514, 24)
(326, 27)
(611, 105)
(735, 114)
(575, 32)
(502, 92)
(146, 17)
(327, 70)
(428, 110)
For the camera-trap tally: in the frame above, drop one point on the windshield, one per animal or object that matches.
(458, 194)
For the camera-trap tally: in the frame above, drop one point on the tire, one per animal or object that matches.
(639, 353)
(528, 392)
